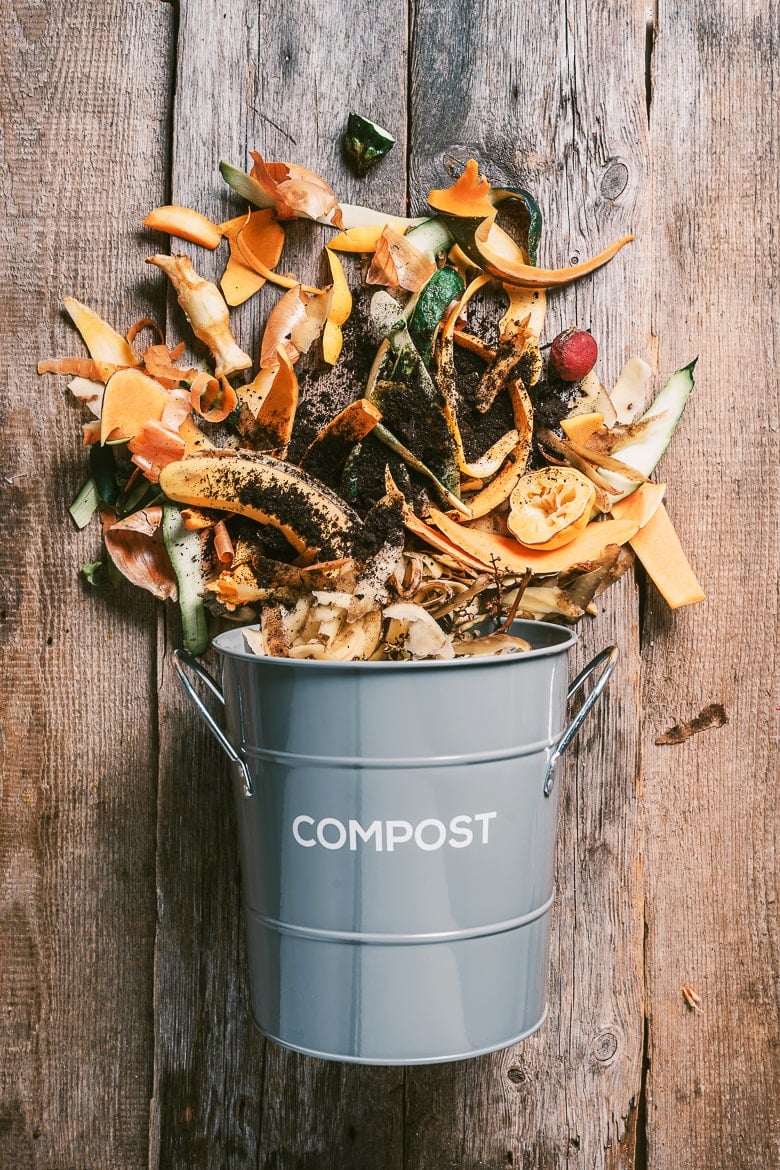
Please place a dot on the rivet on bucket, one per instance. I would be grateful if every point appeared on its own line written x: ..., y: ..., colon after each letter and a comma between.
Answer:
x: 397, y: 826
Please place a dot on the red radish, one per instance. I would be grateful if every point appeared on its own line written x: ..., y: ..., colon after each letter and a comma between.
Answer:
x: 573, y: 354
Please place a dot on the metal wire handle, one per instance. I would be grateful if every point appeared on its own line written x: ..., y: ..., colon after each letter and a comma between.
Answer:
x: 183, y: 661
x: 608, y: 656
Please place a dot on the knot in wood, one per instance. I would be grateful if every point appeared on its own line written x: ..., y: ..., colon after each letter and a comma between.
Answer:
x: 604, y: 1046
x: 614, y: 180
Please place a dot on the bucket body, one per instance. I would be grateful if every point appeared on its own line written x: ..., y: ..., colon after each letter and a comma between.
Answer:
x: 397, y: 846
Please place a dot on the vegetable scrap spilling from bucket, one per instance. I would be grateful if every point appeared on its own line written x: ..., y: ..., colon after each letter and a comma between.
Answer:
x: 433, y: 472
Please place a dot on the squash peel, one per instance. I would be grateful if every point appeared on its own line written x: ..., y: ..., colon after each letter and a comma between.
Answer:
x: 276, y: 416
x: 467, y: 433
x: 580, y: 427
x: 82, y: 368
x: 492, y: 254
x: 130, y: 400
x: 505, y: 553
x: 185, y: 223
x: 103, y: 342
x: 469, y: 208
x: 641, y: 505
x: 468, y: 196
x: 256, y: 242
x: 338, y: 313
x: 357, y: 239
x: 658, y: 547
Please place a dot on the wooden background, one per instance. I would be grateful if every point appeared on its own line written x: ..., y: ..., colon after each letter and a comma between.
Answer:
x: 125, y: 1039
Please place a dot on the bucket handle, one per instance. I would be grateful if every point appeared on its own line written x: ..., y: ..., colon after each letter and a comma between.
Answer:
x: 183, y: 661
x: 607, y: 657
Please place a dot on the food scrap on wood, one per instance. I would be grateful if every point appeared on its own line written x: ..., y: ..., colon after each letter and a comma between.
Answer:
x: 692, y: 998
x: 713, y: 715
x: 470, y: 474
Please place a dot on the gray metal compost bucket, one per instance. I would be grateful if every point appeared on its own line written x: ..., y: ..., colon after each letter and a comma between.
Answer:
x: 397, y: 826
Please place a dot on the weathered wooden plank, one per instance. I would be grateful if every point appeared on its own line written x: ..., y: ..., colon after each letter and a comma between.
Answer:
x: 83, y: 115
x: 284, y: 88
x: 552, y: 98
x: 712, y: 802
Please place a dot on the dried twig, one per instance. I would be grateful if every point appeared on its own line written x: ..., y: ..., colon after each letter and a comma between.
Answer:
x: 510, y: 617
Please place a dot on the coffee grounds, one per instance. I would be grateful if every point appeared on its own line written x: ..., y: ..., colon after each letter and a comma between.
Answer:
x: 326, y: 390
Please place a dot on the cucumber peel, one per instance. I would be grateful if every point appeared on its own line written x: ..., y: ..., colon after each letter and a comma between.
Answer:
x: 443, y: 287
x: 645, y: 452
x: 431, y: 236
x: 85, y: 504
x: 102, y: 464
x: 184, y: 550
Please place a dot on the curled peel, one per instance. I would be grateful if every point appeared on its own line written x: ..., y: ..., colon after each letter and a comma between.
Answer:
x: 502, y: 552
x: 494, y: 258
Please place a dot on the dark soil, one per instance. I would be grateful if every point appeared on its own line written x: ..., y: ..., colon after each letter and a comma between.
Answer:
x: 324, y: 390
x: 363, y: 479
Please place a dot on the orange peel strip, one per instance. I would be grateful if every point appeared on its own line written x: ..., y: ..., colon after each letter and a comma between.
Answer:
x: 80, y: 367
x: 223, y: 545
x: 184, y: 223
x: 144, y: 323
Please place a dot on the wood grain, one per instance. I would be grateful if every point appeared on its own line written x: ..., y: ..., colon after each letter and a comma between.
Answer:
x: 217, y: 1086
x: 125, y: 1032
x: 84, y: 149
x: 712, y: 803
x: 528, y: 107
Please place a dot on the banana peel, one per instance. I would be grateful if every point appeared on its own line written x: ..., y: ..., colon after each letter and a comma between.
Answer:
x: 269, y: 491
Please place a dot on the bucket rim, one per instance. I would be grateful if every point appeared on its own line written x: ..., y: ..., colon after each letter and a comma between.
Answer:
x: 562, y: 639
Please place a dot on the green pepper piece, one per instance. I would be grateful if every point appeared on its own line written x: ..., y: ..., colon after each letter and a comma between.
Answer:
x: 365, y: 143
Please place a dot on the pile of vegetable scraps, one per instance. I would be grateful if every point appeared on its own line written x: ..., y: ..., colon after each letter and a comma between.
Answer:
x: 407, y: 466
